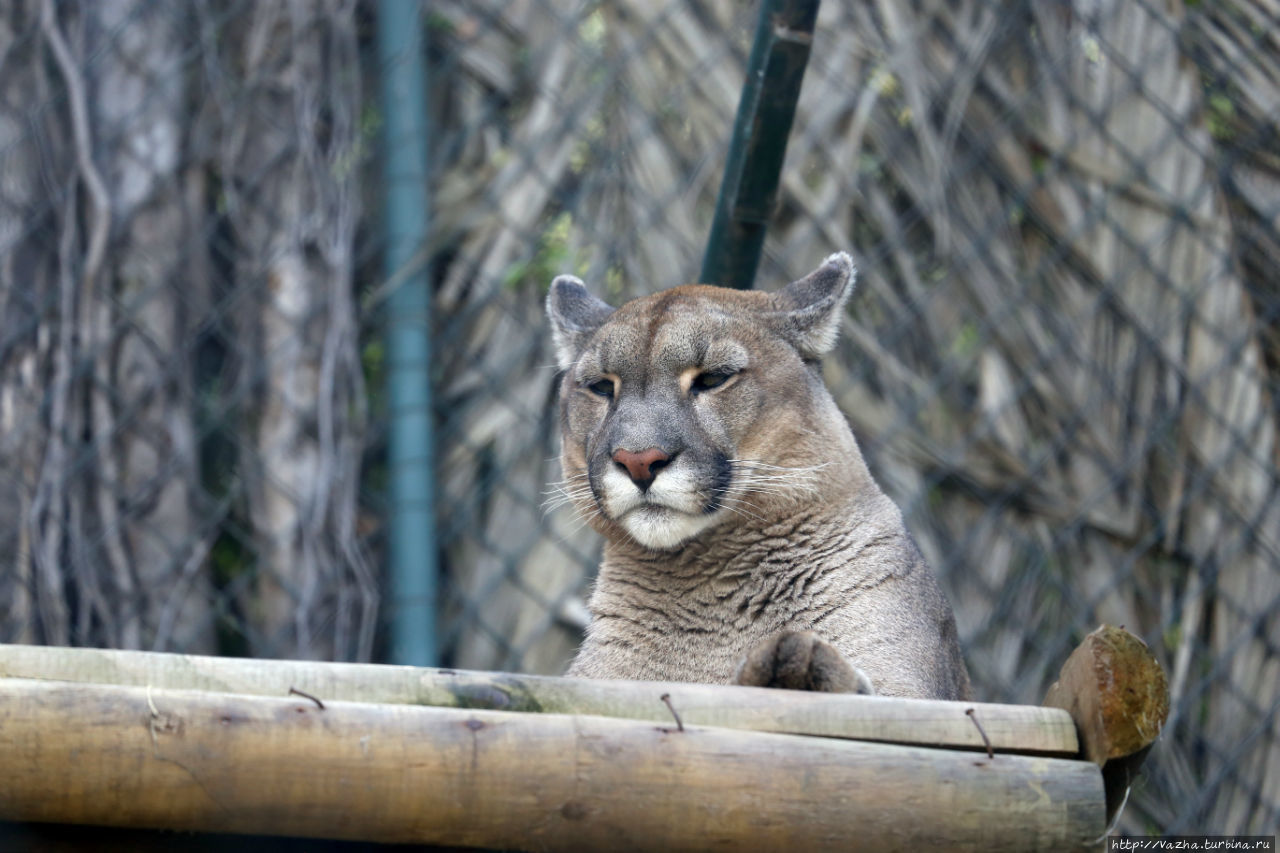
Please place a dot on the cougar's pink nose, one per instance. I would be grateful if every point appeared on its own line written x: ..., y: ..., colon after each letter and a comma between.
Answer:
x: 643, y: 466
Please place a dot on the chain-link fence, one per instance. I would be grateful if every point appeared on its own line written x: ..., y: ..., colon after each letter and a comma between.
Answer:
x: 1061, y: 360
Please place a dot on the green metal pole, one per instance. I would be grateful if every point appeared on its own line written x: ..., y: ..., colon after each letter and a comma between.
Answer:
x: 411, y: 541
x: 749, y: 192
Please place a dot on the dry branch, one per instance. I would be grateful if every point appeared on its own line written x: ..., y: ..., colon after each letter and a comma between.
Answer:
x: 133, y: 756
x: 1011, y: 728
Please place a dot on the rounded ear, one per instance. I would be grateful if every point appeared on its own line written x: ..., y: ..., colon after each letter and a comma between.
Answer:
x: 807, y: 312
x: 575, y: 315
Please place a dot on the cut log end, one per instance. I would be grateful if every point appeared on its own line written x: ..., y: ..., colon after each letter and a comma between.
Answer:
x: 1118, y: 695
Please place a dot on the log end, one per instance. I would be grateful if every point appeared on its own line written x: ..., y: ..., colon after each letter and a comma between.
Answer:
x: 1118, y: 695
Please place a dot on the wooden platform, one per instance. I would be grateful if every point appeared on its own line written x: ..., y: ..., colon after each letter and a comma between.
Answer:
x: 398, y: 754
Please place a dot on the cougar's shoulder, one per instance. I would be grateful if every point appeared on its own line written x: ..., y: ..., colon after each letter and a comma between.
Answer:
x: 698, y: 438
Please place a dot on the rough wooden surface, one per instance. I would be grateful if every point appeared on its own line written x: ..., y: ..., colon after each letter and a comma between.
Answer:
x: 1115, y: 691
x: 147, y: 757
x: 1010, y: 728
x: 1118, y: 695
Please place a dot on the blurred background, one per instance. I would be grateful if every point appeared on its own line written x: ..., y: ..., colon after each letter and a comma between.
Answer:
x: 1061, y: 360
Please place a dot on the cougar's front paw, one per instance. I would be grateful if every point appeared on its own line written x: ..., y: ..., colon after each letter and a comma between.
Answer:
x: 801, y: 660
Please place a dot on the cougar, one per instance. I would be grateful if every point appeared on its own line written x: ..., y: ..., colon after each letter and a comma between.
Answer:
x: 745, y: 540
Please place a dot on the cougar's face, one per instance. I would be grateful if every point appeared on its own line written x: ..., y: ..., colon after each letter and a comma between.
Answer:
x: 678, y: 409
x: 654, y: 412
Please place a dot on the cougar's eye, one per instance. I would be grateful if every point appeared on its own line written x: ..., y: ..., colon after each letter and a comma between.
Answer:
x: 602, y: 388
x: 710, y: 379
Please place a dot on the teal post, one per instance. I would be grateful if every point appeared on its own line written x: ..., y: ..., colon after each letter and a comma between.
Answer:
x: 412, y: 594
x: 753, y: 166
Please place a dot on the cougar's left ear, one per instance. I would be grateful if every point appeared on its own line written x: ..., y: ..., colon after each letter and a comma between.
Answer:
x: 575, y: 315
x: 807, y: 312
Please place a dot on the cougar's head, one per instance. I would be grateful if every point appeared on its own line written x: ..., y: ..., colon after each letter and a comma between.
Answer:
x: 696, y: 405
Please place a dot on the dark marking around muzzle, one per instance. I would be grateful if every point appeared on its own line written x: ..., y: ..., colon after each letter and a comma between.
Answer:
x: 720, y: 485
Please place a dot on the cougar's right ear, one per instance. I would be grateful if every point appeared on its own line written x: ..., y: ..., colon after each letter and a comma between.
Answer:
x: 575, y: 314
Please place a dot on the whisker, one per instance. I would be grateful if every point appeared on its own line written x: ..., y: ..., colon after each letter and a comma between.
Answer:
x: 568, y: 489
x: 565, y: 492
x: 584, y: 520
x: 743, y: 513
x: 735, y: 506
x: 769, y: 480
x: 755, y: 463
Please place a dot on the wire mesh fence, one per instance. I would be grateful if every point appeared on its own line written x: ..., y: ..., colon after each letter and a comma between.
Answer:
x: 1061, y: 360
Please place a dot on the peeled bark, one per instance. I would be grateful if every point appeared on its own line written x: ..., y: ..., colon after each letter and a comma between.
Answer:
x: 190, y: 760
x: 1026, y: 729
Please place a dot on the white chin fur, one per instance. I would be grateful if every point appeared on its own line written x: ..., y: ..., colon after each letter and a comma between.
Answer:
x: 663, y: 529
x: 668, y: 517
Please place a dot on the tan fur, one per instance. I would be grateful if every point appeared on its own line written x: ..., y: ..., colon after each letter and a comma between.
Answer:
x: 763, y: 545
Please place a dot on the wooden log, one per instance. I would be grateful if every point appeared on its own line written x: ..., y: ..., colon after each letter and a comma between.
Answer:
x: 1118, y: 695
x: 191, y: 760
x: 1022, y: 729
